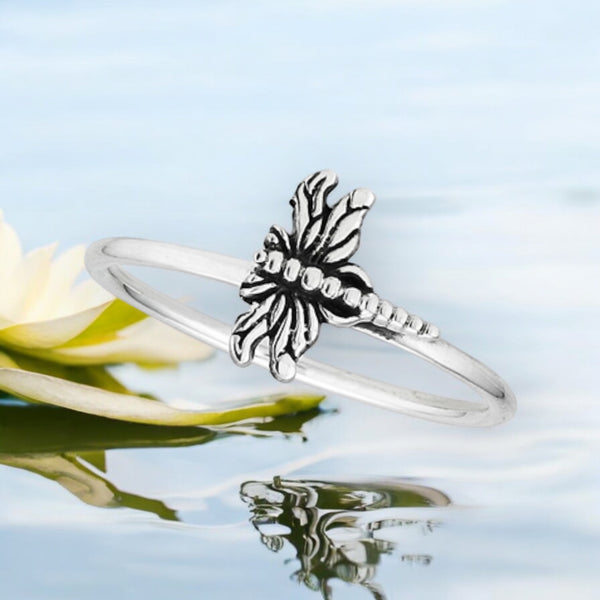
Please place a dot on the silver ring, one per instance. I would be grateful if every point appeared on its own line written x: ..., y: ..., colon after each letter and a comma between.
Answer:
x: 296, y: 283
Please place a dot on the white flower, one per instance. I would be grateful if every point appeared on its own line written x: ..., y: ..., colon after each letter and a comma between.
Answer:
x: 45, y: 312
x: 53, y: 328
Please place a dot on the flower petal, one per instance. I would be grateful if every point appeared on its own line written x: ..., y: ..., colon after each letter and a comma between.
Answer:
x: 91, y: 400
x: 45, y: 334
x: 116, y: 316
x: 26, y: 282
x: 95, y: 375
x: 148, y: 343
x: 87, y: 293
x: 11, y: 255
x: 57, y: 298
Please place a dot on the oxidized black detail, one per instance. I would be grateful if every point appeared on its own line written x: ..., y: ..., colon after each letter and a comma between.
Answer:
x: 303, y: 279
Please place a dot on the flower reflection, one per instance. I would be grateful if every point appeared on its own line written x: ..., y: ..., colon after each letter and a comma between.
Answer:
x: 337, y: 528
x: 69, y: 448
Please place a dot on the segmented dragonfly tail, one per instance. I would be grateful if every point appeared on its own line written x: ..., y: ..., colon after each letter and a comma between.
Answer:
x: 395, y: 318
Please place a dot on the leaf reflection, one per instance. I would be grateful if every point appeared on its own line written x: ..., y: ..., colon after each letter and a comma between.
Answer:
x: 69, y: 447
x: 336, y: 526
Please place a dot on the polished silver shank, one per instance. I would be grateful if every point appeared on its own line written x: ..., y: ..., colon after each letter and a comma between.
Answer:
x: 105, y: 260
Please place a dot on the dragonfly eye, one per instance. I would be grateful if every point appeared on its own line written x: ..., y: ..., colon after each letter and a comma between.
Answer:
x: 271, y: 241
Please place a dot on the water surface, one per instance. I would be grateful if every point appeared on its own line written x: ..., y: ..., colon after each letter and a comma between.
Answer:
x: 477, y: 125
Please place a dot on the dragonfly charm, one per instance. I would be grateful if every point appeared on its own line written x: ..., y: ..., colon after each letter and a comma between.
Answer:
x: 302, y: 279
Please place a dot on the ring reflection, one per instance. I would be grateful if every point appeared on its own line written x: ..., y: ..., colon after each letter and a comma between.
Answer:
x: 338, y: 528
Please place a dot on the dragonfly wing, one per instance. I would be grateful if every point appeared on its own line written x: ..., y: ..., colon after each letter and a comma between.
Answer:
x: 310, y: 209
x: 341, y: 232
x: 295, y: 332
x: 306, y: 327
x: 249, y: 330
x: 353, y: 275
x: 255, y: 288
x: 281, y: 363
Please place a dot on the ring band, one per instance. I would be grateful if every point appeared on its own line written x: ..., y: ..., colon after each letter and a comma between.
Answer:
x: 291, y: 292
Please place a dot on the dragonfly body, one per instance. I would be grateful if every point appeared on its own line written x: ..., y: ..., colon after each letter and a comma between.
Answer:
x: 303, y: 279
x: 317, y: 284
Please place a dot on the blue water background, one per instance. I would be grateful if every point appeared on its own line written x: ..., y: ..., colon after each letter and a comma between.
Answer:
x: 478, y: 126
